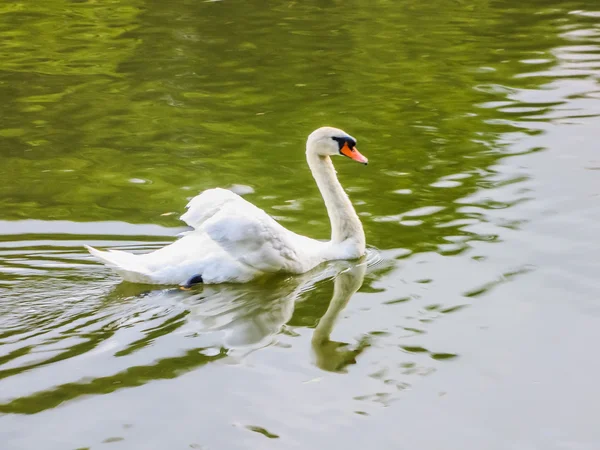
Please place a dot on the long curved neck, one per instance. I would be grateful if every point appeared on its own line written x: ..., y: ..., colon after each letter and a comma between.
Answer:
x: 345, y: 223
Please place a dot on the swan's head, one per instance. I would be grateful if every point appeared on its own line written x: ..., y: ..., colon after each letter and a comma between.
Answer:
x: 328, y: 141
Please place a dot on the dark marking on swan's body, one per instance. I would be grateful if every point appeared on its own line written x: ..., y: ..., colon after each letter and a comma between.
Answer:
x: 196, y: 279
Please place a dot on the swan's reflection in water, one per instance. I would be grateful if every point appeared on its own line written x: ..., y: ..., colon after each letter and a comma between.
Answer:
x: 331, y: 355
x: 133, y: 335
x: 252, y: 316
x: 244, y: 318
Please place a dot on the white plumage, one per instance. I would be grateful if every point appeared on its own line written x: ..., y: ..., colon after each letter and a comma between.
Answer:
x: 234, y: 241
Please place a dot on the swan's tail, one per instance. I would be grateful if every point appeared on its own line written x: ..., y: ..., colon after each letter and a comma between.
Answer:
x: 125, y: 264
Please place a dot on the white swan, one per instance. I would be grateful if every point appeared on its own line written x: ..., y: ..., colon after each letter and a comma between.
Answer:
x: 233, y: 241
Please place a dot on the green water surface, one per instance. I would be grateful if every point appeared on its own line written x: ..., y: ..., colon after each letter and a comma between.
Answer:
x: 477, y: 314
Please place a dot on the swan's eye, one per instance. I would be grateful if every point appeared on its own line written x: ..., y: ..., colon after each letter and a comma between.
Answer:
x: 339, y: 140
x: 344, y: 141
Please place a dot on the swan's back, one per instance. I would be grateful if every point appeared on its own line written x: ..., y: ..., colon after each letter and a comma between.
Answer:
x: 232, y: 241
x: 208, y: 203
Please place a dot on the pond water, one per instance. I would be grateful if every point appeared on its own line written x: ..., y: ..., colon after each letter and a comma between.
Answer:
x: 471, y: 324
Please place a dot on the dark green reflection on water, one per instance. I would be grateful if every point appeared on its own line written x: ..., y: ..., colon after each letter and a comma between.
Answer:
x: 132, y: 108
x: 133, y: 376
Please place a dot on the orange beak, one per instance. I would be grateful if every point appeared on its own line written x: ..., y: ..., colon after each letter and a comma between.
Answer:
x: 354, y: 154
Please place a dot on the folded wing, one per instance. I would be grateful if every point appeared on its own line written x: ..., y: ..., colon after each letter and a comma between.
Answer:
x: 245, y: 232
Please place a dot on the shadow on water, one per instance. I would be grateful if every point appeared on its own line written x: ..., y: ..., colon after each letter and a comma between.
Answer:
x: 231, y: 321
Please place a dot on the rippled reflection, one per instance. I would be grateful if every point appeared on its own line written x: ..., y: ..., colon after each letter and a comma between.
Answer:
x: 140, y: 326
